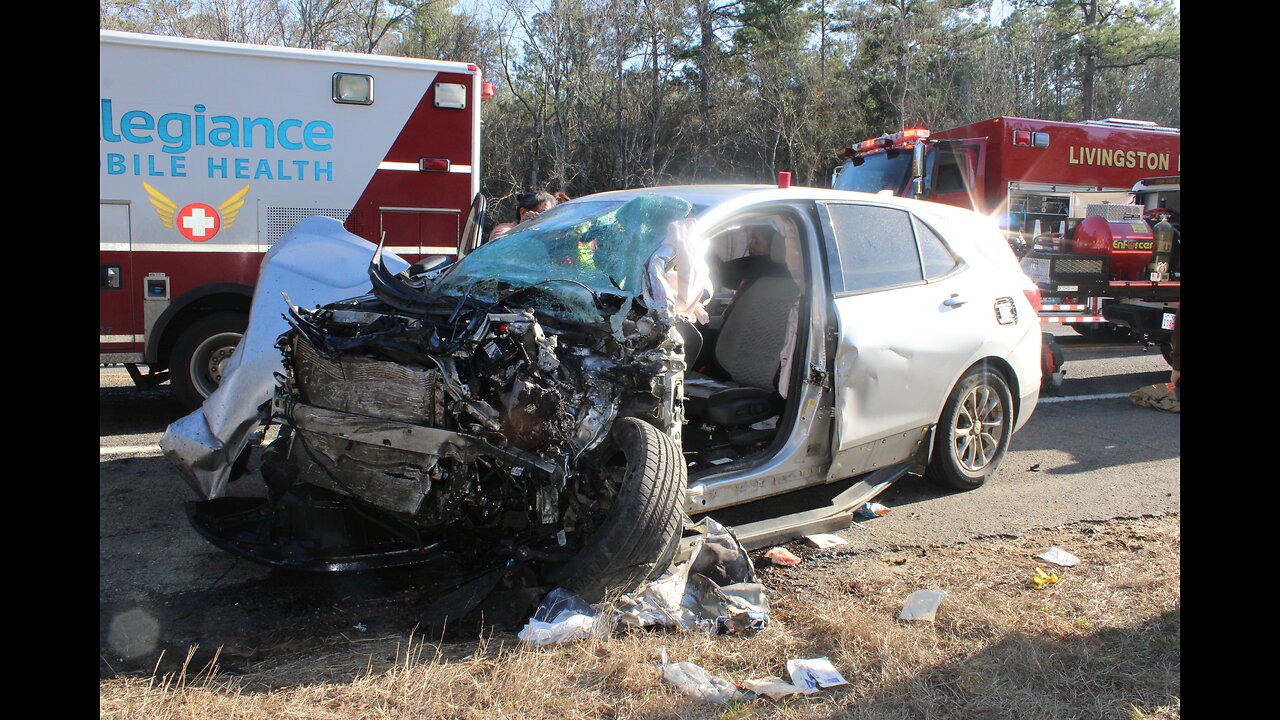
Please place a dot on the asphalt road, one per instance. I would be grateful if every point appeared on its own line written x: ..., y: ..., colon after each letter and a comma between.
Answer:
x: 1089, y: 455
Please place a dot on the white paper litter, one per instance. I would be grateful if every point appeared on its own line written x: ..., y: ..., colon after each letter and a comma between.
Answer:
x: 1059, y: 556
x: 826, y: 540
x: 813, y: 674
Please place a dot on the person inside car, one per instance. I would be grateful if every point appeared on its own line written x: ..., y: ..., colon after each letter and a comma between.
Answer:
x: 528, y: 206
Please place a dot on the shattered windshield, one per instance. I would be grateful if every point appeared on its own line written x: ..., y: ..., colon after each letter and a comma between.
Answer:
x: 569, y: 257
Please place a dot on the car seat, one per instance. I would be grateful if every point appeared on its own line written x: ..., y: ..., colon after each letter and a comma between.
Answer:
x: 749, y: 348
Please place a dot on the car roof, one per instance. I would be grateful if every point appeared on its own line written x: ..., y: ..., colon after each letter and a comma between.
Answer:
x: 711, y: 195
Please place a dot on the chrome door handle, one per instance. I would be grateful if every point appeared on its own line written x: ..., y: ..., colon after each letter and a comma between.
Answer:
x: 954, y: 301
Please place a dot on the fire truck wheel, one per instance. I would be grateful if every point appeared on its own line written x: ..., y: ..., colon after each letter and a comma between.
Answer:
x: 200, y: 355
x: 973, y: 432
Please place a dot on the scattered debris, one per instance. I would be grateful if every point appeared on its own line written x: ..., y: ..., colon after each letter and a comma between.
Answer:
x: 1041, y: 579
x: 825, y: 540
x: 772, y: 687
x: 713, y: 589
x: 922, y: 605
x: 808, y: 676
x: 872, y: 510
x: 782, y: 556
x: 568, y: 625
x: 1058, y: 556
x: 693, y: 680
x: 1160, y: 396
x: 814, y: 674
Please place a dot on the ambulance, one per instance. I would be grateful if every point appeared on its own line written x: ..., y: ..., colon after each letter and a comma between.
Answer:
x: 212, y: 151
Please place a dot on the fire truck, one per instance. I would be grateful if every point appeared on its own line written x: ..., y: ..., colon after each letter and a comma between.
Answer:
x: 212, y: 151
x: 1042, y: 180
x: 1147, y: 307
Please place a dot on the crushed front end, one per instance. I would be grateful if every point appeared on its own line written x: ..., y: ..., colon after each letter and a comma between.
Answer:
x: 474, y: 418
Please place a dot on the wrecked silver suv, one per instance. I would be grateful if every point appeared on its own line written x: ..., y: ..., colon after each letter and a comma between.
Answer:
x: 567, y: 395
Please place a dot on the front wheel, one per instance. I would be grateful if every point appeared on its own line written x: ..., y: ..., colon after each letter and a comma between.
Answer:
x: 637, y: 539
x: 973, y: 432
x: 200, y: 356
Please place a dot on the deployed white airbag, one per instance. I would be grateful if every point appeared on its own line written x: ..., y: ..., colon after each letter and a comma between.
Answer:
x: 317, y: 262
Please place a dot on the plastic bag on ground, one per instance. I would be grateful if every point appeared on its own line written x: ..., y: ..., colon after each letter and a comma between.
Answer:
x: 559, y: 600
x: 566, y: 627
x: 693, y: 680
x: 1058, y: 556
x: 922, y: 605
x: 563, y: 616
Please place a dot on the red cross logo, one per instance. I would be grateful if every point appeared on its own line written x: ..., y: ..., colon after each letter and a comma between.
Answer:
x: 198, y: 222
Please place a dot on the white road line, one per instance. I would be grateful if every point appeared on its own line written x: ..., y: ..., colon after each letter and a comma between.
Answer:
x: 1074, y: 398
x: 129, y: 450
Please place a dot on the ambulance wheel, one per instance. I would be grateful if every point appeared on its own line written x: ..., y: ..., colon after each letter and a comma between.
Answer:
x: 973, y: 432
x: 200, y: 356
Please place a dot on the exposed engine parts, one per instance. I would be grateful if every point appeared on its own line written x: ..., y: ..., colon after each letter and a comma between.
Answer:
x: 458, y: 413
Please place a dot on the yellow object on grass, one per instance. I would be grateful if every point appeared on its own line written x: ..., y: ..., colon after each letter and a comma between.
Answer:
x: 1041, y: 579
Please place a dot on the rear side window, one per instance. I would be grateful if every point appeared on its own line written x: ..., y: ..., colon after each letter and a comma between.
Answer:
x: 876, y: 248
x: 938, y: 259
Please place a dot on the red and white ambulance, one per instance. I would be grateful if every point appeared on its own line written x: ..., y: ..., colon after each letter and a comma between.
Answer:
x: 212, y: 151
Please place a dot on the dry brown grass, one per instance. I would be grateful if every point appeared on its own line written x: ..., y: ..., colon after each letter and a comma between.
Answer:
x: 1104, y: 643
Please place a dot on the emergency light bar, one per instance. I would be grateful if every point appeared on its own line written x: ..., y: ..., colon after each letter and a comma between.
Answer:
x: 899, y: 139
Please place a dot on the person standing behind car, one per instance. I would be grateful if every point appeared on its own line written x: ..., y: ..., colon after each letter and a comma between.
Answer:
x: 528, y: 206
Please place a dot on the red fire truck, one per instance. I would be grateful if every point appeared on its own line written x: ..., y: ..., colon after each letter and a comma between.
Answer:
x: 1039, y: 178
x: 212, y: 151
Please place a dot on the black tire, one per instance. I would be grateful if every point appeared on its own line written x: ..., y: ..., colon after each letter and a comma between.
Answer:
x: 638, y: 538
x: 966, y: 454
x: 200, y: 353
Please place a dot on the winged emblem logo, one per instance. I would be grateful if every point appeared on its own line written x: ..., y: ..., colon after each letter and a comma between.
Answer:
x: 197, y: 222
